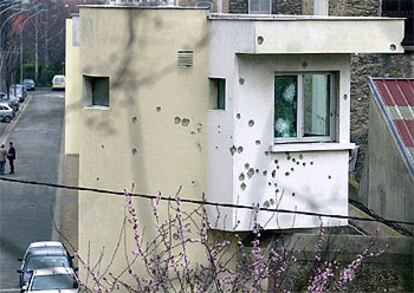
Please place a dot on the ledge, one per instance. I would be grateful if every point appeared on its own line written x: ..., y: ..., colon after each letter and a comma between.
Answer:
x: 105, y: 108
x: 310, y: 147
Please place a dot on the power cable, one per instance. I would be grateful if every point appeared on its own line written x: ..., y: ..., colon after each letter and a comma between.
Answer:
x: 203, y: 202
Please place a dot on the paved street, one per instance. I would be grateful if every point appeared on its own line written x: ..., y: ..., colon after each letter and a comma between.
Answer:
x: 26, y: 210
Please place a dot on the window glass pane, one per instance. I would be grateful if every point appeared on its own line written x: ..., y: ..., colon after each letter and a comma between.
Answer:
x: 100, y: 91
x: 221, y: 94
x: 254, y: 6
x: 264, y: 6
x: 316, y: 104
x: 286, y: 88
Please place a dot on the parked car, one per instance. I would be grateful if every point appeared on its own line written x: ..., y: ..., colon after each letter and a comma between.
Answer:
x: 6, y: 113
x: 19, y: 91
x: 40, y: 255
x: 11, y: 101
x: 52, y: 280
x: 29, y: 84
x: 58, y: 82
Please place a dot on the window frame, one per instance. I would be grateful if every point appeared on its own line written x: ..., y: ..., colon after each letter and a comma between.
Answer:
x: 215, y: 93
x: 300, y: 114
x: 259, y: 12
x: 88, y: 82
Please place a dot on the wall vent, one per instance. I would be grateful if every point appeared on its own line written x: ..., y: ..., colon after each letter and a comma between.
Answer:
x: 185, y: 58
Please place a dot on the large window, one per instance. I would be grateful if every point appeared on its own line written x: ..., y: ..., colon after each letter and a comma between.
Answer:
x: 305, y: 107
x: 401, y: 8
x: 260, y: 6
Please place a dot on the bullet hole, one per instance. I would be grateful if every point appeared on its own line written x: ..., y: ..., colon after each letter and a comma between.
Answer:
x: 219, y: 132
x: 293, y: 194
x: 278, y: 167
x: 301, y: 156
x: 257, y: 142
x: 287, y: 174
x: 238, y: 116
x: 251, y: 123
x: 264, y: 173
x: 293, y: 160
x: 102, y: 146
x: 275, y: 184
x: 288, y: 158
x: 260, y: 40
x: 199, y: 129
x: 393, y: 47
x: 233, y: 150
x: 199, y: 124
x: 175, y: 236
x: 242, y: 177
x: 193, y: 182
x: 277, y: 190
x: 291, y: 169
x: 193, y: 133
x: 257, y: 170
x: 266, y: 204
x: 97, y: 178
x: 345, y: 97
x: 274, y: 173
x: 134, y: 119
x: 269, y: 183
x: 240, y: 149
x: 266, y: 153
x: 304, y: 164
x: 177, y: 120
x: 185, y: 122
x: 250, y: 173
x: 329, y: 177
x: 216, y: 147
x: 297, y: 163
x: 276, y: 162
x: 134, y: 151
x: 247, y: 166
x: 158, y: 109
x: 311, y: 162
x: 243, y: 187
x: 304, y: 64
x: 272, y: 201
x: 218, y: 126
x: 231, y: 137
x: 241, y: 81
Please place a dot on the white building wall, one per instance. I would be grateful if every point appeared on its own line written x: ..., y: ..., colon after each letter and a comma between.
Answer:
x: 318, y: 182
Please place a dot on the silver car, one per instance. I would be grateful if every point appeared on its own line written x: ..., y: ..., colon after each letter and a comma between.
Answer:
x: 53, y: 280
x: 6, y: 113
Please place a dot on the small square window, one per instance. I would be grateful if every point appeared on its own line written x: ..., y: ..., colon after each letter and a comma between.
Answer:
x: 96, y: 91
x: 305, y: 107
x: 217, y: 93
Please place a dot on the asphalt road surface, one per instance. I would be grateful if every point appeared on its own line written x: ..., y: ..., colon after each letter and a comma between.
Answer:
x: 25, y: 210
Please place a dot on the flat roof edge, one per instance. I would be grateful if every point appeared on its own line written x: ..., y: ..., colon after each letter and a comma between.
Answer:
x: 106, y: 6
x: 228, y: 16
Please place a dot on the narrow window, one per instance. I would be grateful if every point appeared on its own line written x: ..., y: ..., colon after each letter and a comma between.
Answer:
x: 217, y: 93
x: 286, y: 106
x: 96, y: 91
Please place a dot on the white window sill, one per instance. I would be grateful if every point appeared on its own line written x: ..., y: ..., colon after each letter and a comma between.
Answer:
x: 96, y: 107
x: 310, y: 147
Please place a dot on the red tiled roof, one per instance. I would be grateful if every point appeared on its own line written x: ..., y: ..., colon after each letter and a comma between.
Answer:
x: 395, y: 98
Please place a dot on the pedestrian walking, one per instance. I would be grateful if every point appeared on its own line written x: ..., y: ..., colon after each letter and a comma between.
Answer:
x: 11, y: 156
x: 3, y: 155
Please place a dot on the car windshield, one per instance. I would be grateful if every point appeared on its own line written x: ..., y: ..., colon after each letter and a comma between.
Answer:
x: 53, y: 282
x: 18, y: 91
x: 41, y: 262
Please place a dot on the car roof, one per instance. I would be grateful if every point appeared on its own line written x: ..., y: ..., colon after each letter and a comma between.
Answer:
x: 49, y: 251
x: 53, y: 271
x: 45, y: 244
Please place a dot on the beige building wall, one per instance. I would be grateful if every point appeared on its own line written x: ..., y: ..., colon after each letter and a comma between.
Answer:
x: 72, y: 93
x: 153, y: 132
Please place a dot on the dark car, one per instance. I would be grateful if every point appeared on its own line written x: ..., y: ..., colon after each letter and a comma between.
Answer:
x: 19, y: 91
x: 29, y: 84
x: 41, y: 255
